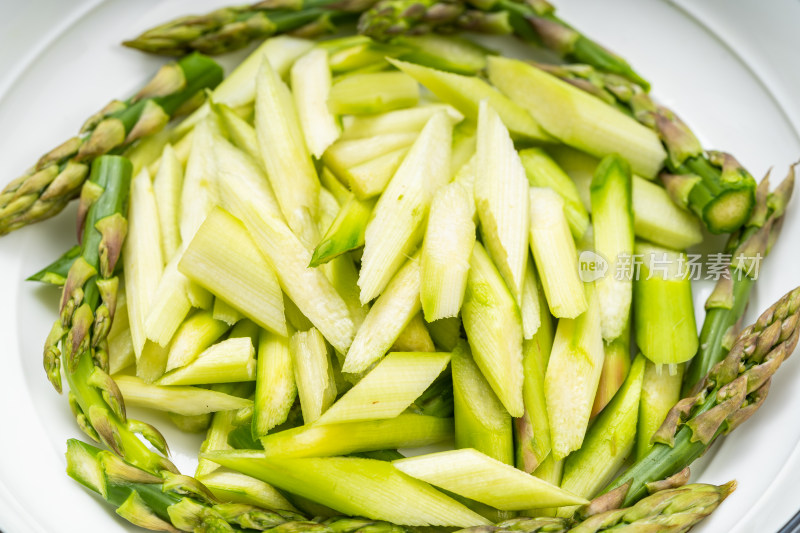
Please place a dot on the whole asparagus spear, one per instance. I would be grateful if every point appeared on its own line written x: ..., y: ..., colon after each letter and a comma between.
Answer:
x: 727, y: 303
x: 711, y: 184
x: 728, y: 395
x: 57, y: 177
x: 232, y: 28
x: 87, y: 310
x: 180, y: 503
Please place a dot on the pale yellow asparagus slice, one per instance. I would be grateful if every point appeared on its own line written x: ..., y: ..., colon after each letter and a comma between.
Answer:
x: 182, y: 400
x: 312, y: 373
x: 167, y: 186
x: 275, y: 385
x: 311, y: 85
x: 229, y: 361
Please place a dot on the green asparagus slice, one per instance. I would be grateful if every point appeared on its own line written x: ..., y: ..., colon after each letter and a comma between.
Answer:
x: 481, y: 420
x: 86, y: 314
x: 372, y: 93
x: 276, y: 388
x: 728, y: 395
x: 58, y: 175
x: 727, y: 303
x: 354, y: 486
x: 56, y: 272
x: 477, y: 476
x: 661, y: 389
x: 186, y: 401
x: 403, y: 431
x: 346, y: 233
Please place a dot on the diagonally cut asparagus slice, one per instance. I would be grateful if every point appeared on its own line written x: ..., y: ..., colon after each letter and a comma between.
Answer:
x: 577, y: 118
x: 529, y: 308
x: 481, y: 420
x: 284, y: 154
x: 195, y: 335
x: 494, y: 329
x: 276, y: 389
x: 229, y: 361
x: 313, y: 373
x: 311, y: 85
x: 415, y: 337
x: 237, y: 488
x: 354, y: 486
x: 187, y: 401
x: 555, y: 254
x: 142, y: 258
x: 465, y: 94
x: 387, y: 318
x: 573, y: 372
x: 389, y: 388
x: 403, y: 431
x: 477, y: 476
x: 446, y: 251
x: 501, y: 198
x: 398, y: 221
x: 410, y: 120
x: 375, y: 92
x: 308, y: 288
x: 167, y: 186
x: 223, y: 258
x: 346, y: 232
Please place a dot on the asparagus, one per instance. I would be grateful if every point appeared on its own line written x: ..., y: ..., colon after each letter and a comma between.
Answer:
x: 676, y: 509
x: 232, y: 28
x: 56, y: 272
x: 728, y: 395
x: 711, y: 184
x: 727, y: 303
x: 79, y: 336
x: 57, y: 177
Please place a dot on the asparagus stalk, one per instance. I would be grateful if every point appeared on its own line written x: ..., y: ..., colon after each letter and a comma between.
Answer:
x: 675, y: 509
x: 234, y: 487
x: 727, y: 303
x: 232, y: 28
x: 56, y: 272
x: 410, y: 120
x: 120, y: 341
x: 728, y: 395
x: 415, y: 337
x: 311, y: 85
x: 313, y: 374
x: 276, y: 388
x: 186, y: 401
x: 437, y: 400
x: 86, y: 314
x: 167, y: 186
x: 711, y: 184
x: 194, y: 336
x: 616, y: 365
x: 229, y: 361
x: 58, y: 176
x: 346, y: 233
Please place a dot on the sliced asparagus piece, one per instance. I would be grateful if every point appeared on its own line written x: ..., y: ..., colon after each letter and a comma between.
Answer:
x: 371, y: 93
x: 542, y: 171
x: 447, y: 247
x: 387, y: 318
x: 311, y: 86
x: 576, y: 118
x: 223, y: 258
x: 237, y: 488
x: 661, y: 389
x: 500, y: 196
x: 616, y: 365
x: 346, y: 233
x: 186, y: 401
x: 313, y: 374
x: 410, y: 120
x: 465, y: 94
x: 666, y: 331
x: 608, y: 443
x: 229, y: 361
x: 276, y: 388
x: 389, y: 388
x: 167, y: 186
x: 555, y: 254
x: 398, y: 221
x: 194, y: 336
x: 481, y: 420
x: 494, y: 329
x: 405, y: 430
x: 56, y: 272
x: 612, y: 219
x: 573, y: 372
x: 354, y: 486
x: 472, y: 474
x: 414, y: 337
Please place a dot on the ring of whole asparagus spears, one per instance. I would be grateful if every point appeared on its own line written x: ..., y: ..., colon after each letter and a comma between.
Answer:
x: 145, y: 486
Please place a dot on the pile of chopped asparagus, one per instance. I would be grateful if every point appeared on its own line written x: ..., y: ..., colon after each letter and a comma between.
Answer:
x: 352, y: 251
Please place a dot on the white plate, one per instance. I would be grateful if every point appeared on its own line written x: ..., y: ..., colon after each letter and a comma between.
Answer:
x: 728, y: 66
